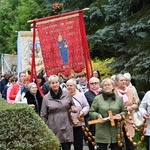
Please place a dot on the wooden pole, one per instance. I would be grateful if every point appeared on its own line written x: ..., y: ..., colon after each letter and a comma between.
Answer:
x: 31, y: 21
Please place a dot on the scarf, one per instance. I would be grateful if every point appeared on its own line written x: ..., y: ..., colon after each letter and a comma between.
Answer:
x: 96, y: 91
x: 56, y: 96
x: 122, y: 94
x: 107, y: 95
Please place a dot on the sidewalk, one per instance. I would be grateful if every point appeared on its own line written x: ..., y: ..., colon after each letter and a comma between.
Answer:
x: 85, y: 147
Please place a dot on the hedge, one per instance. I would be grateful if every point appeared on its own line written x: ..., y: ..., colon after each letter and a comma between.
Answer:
x: 22, y: 129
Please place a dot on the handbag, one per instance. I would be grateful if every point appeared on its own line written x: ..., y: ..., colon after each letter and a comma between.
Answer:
x: 137, y: 118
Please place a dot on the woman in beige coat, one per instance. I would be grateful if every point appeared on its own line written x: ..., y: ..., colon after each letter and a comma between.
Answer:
x: 55, y: 106
x: 130, y: 103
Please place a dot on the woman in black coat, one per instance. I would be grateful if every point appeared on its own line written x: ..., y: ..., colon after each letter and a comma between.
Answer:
x: 33, y: 97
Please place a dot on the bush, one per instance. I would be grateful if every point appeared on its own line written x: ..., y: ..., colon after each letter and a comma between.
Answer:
x: 22, y: 129
x: 102, y: 67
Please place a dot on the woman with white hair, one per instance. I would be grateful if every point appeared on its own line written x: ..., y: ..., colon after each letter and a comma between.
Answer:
x: 82, y: 109
x: 33, y: 97
x: 129, y: 84
x: 130, y: 102
x: 55, y: 107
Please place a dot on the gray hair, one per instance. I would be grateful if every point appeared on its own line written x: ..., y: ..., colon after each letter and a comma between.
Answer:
x: 109, y: 81
x: 95, y: 79
x: 118, y: 76
x: 73, y: 81
x: 30, y: 85
x: 127, y: 76
x: 53, y: 78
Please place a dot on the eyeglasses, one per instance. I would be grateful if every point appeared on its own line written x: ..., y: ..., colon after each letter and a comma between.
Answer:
x: 93, y: 83
x: 14, y: 80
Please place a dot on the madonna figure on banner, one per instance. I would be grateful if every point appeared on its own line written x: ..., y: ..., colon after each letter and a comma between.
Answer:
x: 63, y: 48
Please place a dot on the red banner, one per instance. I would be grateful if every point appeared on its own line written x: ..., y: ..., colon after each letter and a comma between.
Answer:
x: 63, y: 43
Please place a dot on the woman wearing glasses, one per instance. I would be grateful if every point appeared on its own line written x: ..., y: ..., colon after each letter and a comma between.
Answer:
x: 94, y: 84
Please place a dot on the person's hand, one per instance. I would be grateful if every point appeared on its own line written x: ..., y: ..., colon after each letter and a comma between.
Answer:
x: 81, y: 113
x: 105, y: 119
x: 118, y: 116
x: 73, y: 110
x: 146, y: 116
x: 32, y: 105
x: 129, y: 108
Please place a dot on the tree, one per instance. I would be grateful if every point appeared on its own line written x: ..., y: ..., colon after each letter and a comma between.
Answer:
x: 125, y: 35
x: 115, y: 28
x: 14, y: 15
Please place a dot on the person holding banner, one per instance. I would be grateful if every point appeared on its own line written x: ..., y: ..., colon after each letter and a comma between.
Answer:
x: 105, y: 133
x: 55, y: 107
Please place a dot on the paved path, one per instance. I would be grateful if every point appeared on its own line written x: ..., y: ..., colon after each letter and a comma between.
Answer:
x: 85, y: 147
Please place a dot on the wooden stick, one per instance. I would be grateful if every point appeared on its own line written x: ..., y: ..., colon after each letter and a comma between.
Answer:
x: 94, y: 121
x: 31, y: 21
x: 112, y: 118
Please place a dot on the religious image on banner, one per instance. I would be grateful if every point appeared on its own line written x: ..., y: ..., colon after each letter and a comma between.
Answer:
x: 63, y: 49
x: 37, y: 48
x: 63, y: 44
x: 9, y: 63
x: 25, y: 45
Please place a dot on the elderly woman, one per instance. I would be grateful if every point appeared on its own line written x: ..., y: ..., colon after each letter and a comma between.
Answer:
x: 105, y: 133
x: 33, y: 97
x: 131, y: 105
x: 94, y: 90
x: 55, y: 106
x: 82, y: 109
x: 144, y: 109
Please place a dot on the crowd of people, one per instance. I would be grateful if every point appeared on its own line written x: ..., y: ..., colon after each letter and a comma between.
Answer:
x: 68, y: 105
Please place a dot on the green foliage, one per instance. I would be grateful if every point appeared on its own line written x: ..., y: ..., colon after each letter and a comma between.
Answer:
x: 102, y: 67
x: 127, y: 40
x: 21, y: 128
x: 14, y: 15
x: 2, y: 101
x: 115, y: 28
x: 137, y: 138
